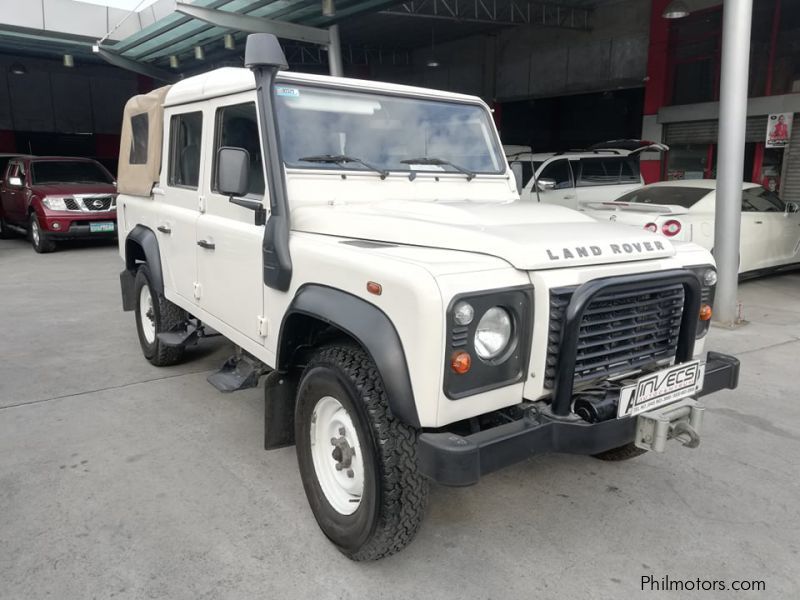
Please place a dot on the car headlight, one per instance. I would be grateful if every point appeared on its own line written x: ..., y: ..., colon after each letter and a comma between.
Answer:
x: 493, y: 333
x: 710, y: 277
x: 488, y: 340
x: 55, y: 203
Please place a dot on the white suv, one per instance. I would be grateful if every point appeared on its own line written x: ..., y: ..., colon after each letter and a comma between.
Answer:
x: 602, y: 173
x: 363, y: 245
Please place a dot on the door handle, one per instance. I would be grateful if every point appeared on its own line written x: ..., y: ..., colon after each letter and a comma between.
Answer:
x: 206, y: 244
x: 164, y: 229
x: 759, y: 222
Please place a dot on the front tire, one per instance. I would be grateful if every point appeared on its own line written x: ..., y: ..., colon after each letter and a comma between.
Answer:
x: 358, y: 462
x: 155, y: 314
x: 40, y: 241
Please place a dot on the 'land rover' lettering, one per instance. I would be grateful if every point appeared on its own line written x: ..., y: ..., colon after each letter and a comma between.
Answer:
x: 586, y: 251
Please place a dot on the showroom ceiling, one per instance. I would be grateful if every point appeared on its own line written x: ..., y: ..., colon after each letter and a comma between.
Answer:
x: 169, y: 42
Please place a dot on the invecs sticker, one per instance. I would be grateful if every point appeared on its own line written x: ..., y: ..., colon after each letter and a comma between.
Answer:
x: 287, y: 91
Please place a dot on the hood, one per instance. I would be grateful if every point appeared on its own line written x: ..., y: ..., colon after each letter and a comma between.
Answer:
x: 528, y: 236
x: 66, y: 189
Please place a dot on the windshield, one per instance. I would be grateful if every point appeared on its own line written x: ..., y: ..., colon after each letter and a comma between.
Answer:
x: 68, y: 171
x: 678, y: 196
x: 389, y: 133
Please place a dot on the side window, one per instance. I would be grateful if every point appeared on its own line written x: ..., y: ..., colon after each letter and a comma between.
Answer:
x: 527, y: 172
x: 140, y: 125
x: 629, y: 171
x: 21, y: 171
x: 185, y: 134
x: 237, y: 127
x: 560, y: 172
x: 759, y: 201
x: 607, y: 171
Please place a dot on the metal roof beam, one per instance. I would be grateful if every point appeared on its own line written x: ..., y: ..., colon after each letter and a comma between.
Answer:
x: 131, y: 65
x: 497, y: 12
x: 246, y: 23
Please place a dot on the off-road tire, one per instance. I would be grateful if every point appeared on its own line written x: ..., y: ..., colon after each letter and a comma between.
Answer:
x: 625, y: 452
x: 167, y: 317
x: 395, y: 493
x: 40, y: 241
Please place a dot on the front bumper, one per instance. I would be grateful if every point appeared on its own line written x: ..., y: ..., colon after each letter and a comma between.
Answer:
x: 451, y: 459
x: 78, y: 225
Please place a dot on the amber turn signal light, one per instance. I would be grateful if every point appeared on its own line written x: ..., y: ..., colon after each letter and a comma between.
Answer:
x: 705, y: 312
x: 374, y: 288
x: 461, y: 362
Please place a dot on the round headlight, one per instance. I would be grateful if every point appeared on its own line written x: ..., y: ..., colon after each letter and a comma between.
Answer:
x: 710, y: 277
x: 493, y: 333
x: 463, y: 313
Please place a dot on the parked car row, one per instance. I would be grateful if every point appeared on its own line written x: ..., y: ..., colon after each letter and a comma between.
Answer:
x: 50, y: 199
x: 605, y: 182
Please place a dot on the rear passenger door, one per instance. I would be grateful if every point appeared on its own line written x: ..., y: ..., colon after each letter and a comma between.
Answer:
x: 606, y: 177
x: 765, y: 240
x: 229, y: 254
x: 180, y: 198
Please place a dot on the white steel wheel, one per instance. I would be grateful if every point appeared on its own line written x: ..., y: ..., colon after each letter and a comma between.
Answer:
x: 336, y: 455
x: 147, y: 315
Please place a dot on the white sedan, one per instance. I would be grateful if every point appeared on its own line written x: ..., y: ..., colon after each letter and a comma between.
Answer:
x: 684, y: 211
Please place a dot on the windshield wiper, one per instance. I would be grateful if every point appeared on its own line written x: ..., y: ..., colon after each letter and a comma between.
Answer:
x: 341, y: 159
x: 429, y: 160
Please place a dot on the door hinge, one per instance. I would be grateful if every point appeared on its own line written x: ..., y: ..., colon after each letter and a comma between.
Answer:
x: 198, y: 290
x: 263, y: 326
x: 201, y: 204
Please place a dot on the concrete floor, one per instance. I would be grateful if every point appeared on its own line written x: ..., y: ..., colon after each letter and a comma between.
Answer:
x: 118, y: 479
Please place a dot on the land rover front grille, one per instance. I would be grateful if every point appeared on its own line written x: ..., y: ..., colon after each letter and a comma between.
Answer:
x: 619, y: 331
x: 97, y: 203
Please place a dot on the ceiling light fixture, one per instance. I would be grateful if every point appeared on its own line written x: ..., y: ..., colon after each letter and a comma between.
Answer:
x: 677, y: 9
x: 18, y: 69
x: 199, y: 53
x: 69, y: 61
x: 328, y: 8
x: 173, y: 62
x: 432, y: 62
x: 229, y: 42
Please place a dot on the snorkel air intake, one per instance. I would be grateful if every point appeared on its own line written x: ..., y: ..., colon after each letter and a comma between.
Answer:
x: 264, y: 56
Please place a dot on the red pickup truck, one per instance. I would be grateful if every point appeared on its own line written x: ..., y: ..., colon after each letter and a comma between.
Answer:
x: 56, y: 198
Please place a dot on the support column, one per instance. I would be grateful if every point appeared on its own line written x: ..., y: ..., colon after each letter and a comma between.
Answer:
x: 736, y: 23
x: 335, y: 52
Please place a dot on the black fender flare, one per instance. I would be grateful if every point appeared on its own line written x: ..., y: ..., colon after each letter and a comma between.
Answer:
x: 146, y: 239
x: 370, y: 327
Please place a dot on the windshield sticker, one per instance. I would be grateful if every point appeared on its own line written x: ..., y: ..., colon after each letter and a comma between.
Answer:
x: 424, y: 167
x: 287, y: 91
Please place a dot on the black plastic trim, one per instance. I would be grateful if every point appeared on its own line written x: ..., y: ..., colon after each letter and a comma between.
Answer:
x: 451, y: 459
x: 370, y: 327
x: 146, y: 239
x: 565, y: 376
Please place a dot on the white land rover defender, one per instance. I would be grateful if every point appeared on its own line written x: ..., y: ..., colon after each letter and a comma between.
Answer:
x: 363, y: 246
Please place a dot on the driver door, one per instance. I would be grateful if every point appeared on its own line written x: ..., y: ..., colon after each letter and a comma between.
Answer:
x: 15, y: 196
x: 229, y: 244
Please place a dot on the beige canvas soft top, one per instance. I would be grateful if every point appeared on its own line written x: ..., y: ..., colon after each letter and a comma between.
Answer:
x: 140, y: 144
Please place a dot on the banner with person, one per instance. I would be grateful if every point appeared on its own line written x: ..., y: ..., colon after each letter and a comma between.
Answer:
x: 779, y: 130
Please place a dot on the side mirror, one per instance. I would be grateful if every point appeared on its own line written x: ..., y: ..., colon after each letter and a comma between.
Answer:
x: 15, y: 181
x: 516, y: 168
x: 233, y: 170
x: 233, y: 174
x: 544, y: 185
x: 792, y: 207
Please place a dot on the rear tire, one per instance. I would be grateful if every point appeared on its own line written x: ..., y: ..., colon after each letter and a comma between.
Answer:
x: 155, y: 314
x: 40, y: 241
x: 626, y: 452
x: 372, y: 505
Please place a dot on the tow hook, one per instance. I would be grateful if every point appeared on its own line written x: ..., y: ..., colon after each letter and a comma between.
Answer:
x: 681, y: 421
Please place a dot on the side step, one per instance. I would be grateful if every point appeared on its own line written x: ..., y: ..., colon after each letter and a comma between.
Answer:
x: 240, y: 372
x: 193, y: 332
